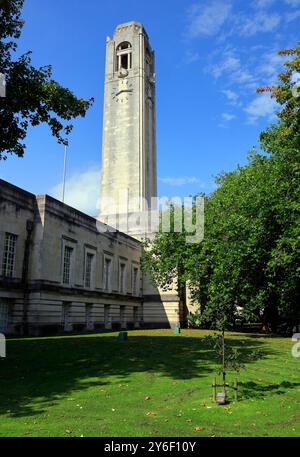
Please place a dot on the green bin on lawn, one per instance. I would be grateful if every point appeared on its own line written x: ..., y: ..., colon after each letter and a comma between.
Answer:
x: 123, y: 336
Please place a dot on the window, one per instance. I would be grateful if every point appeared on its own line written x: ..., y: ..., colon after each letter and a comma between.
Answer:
x: 88, y: 316
x: 141, y: 312
x: 124, y: 45
x: 122, y: 277
x: 135, y: 281
x: 107, y: 273
x: 107, y: 317
x: 9, y: 255
x: 66, y: 315
x: 124, y: 56
x: 135, y: 316
x: 88, y: 269
x: 123, y: 322
x: 68, y: 251
x: 3, y: 317
x: 124, y: 61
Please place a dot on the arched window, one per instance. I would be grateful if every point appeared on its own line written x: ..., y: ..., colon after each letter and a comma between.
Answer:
x: 124, y: 56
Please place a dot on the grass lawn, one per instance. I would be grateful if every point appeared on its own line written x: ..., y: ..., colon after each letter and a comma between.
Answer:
x: 154, y: 384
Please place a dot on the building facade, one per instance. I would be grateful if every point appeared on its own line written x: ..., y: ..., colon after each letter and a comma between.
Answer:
x: 58, y: 271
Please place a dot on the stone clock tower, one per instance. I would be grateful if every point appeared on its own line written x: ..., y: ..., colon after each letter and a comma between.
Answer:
x: 129, y: 130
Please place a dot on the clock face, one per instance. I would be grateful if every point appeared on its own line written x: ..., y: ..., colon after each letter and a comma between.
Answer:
x: 122, y: 92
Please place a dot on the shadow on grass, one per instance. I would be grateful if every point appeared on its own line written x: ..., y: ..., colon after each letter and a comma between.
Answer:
x: 254, y: 390
x: 40, y: 372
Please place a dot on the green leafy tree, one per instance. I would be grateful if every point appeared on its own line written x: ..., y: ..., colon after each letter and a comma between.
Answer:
x: 248, y: 263
x: 164, y: 259
x: 282, y: 142
x: 32, y: 96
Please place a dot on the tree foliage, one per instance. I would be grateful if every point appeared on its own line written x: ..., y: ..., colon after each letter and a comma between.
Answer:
x: 32, y: 96
x: 248, y: 264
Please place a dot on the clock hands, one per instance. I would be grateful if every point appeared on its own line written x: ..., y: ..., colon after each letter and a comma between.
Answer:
x: 123, y: 90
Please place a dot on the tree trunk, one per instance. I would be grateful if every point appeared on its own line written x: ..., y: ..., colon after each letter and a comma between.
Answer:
x: 223, y: 362
x: 270, y: 316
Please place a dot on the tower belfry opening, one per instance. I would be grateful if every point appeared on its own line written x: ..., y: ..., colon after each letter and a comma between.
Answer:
x: 124, y: 56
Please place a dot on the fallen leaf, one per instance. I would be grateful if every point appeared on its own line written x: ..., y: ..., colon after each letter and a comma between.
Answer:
x: 150, y: 413
x: 147, y: 398
x: 198, y: 429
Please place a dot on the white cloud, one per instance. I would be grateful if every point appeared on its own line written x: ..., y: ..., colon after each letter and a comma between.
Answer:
x: 271, y: 65
x: 82, y: 190
x: 207, y: 19
x: 227, y: 117
x: 292, y: 3
x: 241, y: 59
x: 292, y: 16
x: 231, y: 95
x: 191, y: 57
x: 262, y: 106
x: 295, y: 77
x: 181, y: 181
x: 261, y: 22
x: 232, y: 67
x: 242, y: 73
x: 263, y: 3
x: 229, y: 64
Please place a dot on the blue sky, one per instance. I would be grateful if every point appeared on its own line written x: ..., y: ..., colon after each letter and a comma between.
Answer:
x: 210, y: 58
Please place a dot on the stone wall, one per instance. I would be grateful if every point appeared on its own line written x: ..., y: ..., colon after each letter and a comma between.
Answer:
x: 35, y: 300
